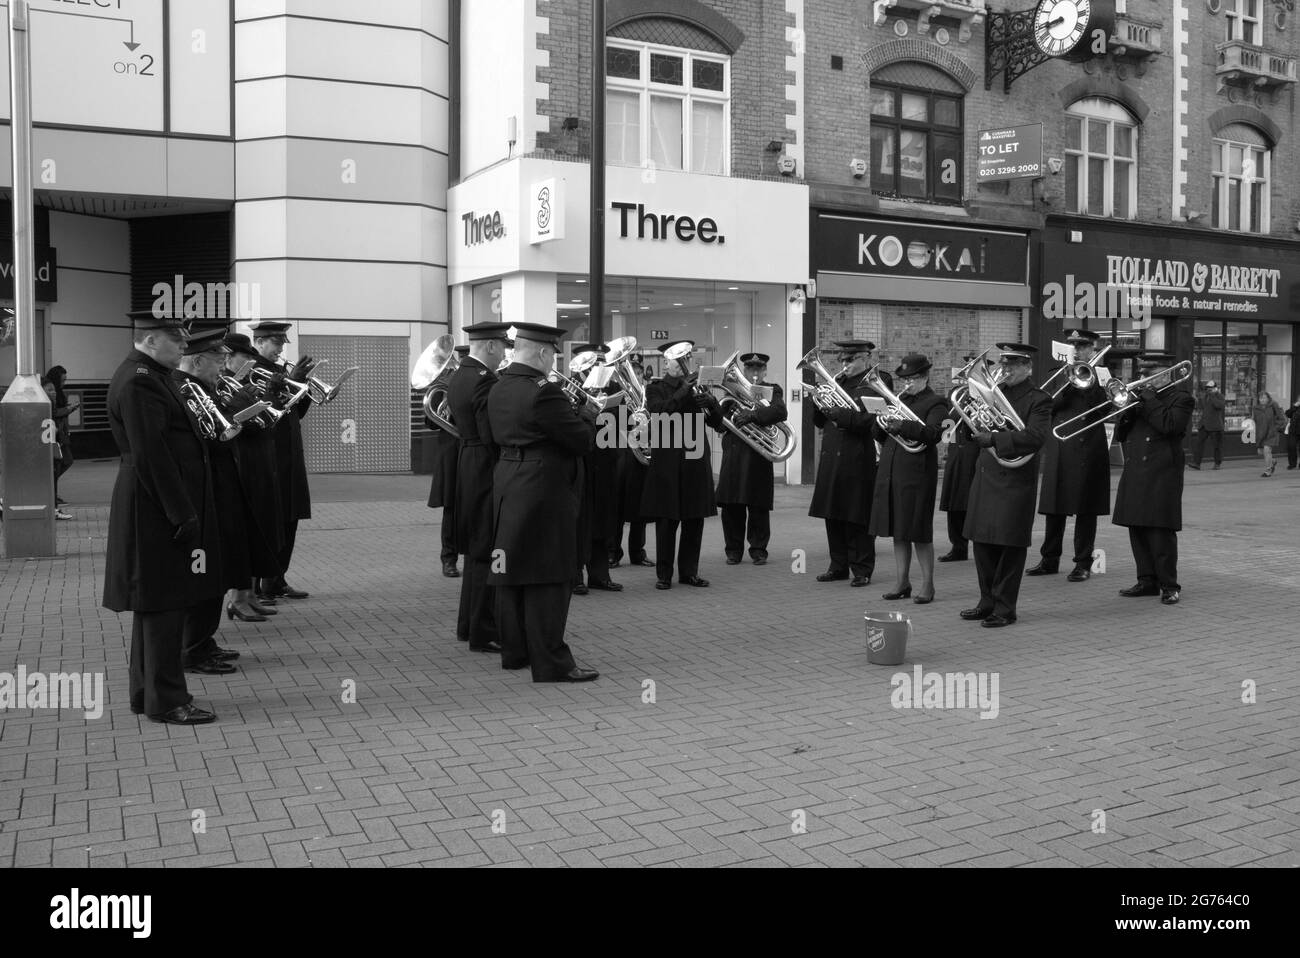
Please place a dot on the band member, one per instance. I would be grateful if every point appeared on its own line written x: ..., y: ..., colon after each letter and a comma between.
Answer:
x: 269, y: 339
x: 1000, y: 514
x: 536, y: 489
x: 467, y: 397
x: 1076, y: 473
x: 745, y: 483
x: 1149, y: 499
x: 260, y: 478
x: 678, y: 486
x: 442, y: 487
x: 629, y: 481
x: 906, y: 481
x: 846, y: 472
x: 164, y: 550
x: 958, y: 471
x: 597, y: 516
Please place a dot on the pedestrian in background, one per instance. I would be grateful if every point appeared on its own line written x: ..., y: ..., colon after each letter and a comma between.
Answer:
x: 1268, y: 430
x: 1211, y: 409
x: 1292, y: 431
x: 63, y: 458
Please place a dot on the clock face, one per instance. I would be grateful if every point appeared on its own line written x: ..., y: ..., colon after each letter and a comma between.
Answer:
x: 1059, y: 25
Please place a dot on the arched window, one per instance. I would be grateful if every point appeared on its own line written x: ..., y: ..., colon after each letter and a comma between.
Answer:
x: 916, y: 133
x: 1101, y: 143
x: 1241, y: 161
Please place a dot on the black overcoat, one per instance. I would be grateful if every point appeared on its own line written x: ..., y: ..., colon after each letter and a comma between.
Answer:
x: 1076, y: 472
x: 600, y: 499
x: 1150, y: 489
x: 959, y: 469
x: 467, y: 397
x: 846, y: 471
x: 290, y: 459
x: 630, y: 481
x: 259, y: 474
x: 446, y: 460
x: 1001, y: 507
x: 678, y: 487
x: 903, y: 505
x: 537, y: 483
x: 164, y: 480
x: 746, y: 478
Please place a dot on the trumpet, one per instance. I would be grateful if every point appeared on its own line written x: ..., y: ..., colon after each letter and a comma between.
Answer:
x: 320, y: 392
x: 1078, y: 375
x: 828, y: 393
x: 574, y: 389
x: 774, y: 443
x: 1119, y: 398
x: 212, y: 424
x: 983, y: 408
x: 898, y: 412
x: 275, y: 386
x: 229, y: 391
x: 432, y: 373
x: 619, y: 360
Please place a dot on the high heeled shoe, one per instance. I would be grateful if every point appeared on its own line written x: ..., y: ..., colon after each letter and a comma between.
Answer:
x: 258, y: 607
x: 234, y: 611
x: 901, y: 594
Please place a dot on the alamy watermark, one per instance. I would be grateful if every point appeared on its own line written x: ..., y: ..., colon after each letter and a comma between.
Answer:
x: 656, y: 430
x: 1082, y: 301
x: 946, y: 690
x: 214, y: 301
x: 62, y: 690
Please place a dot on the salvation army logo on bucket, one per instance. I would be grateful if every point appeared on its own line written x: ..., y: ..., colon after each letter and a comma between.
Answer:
x: 875, y: 639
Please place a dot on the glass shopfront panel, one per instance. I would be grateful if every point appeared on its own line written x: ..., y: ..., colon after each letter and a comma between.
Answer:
x: 1245, y: 359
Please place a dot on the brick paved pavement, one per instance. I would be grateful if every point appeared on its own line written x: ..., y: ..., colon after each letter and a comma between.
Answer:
x: 765, y: 705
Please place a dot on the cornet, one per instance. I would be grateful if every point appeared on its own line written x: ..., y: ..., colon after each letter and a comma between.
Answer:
x: 828, y: 393
x: 212, y: 424
x: 897, y: 412
x: 775, y: 443
x: 320, y: 392
x: 432, y: 373
x: 228, y: 390
x: 275, y: 386
x: 1119, y: 397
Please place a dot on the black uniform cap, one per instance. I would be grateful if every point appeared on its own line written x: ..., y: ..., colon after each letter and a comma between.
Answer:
x: 755, y: 359
x: 854, y: 345
x: 267, y: 328
x: 535, y: 333
x: 481, y: 332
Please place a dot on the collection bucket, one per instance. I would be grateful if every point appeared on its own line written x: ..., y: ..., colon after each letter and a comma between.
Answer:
x: 887, y: 635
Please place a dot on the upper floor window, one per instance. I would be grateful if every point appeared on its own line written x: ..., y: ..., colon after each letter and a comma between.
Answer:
x: 667, y: 107
x: 1101, y: 141
x: 1242, y: 19
x: 916, y: 142
x: 1241, y: 162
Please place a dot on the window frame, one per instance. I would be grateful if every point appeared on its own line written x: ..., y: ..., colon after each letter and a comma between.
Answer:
x: 1236, y: 19
x: 930, y: 128
x: 1219, y: 216
x: 647, y: 90
x: 1078, y: 204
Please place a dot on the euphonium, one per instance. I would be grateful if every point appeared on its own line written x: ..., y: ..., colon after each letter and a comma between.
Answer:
x: 212, y: 424
x: 982, y: 406
x: 432, y: 373
x: 681, y: 353
x: 828, y: 393
x: 619, y: 359
x: 774, y: 443
x: 898, y: 411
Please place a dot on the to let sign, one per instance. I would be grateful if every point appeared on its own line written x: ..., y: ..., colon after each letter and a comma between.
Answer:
x: 1010, y: 153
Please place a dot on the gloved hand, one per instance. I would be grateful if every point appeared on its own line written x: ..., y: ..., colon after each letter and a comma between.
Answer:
x: 743, y: 417
x: 984, y: 440
x: 187, y: 531
x: 303, y: 368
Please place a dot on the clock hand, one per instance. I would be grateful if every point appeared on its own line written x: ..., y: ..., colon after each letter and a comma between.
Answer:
x: 1055, y: 22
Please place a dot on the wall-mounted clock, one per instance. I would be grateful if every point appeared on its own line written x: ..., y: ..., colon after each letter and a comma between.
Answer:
x: 1065, y: 29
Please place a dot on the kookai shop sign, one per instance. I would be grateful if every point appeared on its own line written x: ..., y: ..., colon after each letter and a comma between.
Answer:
x: 846, y: 244
x: 47, y: 273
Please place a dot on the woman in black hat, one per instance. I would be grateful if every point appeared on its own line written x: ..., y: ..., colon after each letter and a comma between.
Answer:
x: 906, y: 481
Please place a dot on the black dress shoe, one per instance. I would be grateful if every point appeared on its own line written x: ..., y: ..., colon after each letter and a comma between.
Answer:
x: 237, y: 610
x: 225, y: 655
x: 664, y: 584
x: 1080, y: 574
x: 211, y: 666
x: 579, y: 675
x: 580, y: 589
x: 733, y: 560
x: 997, y: 621
x: 860, y: 580
x: 760, y: 560
x: 695, y: 581
x: 643, y: 561
x: 489, y: 647
x: 923, y: 599
x: 606, y: 586
x: 1139, y: 590
x: 450, y: 571
x: 833, y: 576
x: 1042, y: 569
x: 615, y: 563
x: 289, y: 592
x: 185, y: 715
x: 900, y: 594
x: 514, y: 666
x: 1192, y: 465
x: 953, y: 556
x: 1169, y: 596
x: 972, y: 615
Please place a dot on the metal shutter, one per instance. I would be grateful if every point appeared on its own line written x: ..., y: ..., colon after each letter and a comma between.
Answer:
x: 374, y: 407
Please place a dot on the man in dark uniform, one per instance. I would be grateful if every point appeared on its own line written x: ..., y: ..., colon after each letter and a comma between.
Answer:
x: 269, y: 339
x: 1076, y: 473
x: 846, y: 471
x: 597, y: 515
x: 1150, y: 496
x: 467, y: 397
x: 629, y: 480
x: 164, y: 551
x: 442, y: 488
x: 1000, y: 515
x: 536, y: 490
x: 745, y: 483
x: 678, y: 487
x: 958, y: 471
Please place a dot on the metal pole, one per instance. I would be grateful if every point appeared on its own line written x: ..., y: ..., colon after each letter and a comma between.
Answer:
x: 596, y: 276
x: 26, y: 429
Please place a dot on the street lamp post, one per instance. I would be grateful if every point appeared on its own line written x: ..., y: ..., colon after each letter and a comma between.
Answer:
x: 596, y: 277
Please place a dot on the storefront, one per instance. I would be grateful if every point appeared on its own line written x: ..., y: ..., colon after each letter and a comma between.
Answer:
x: 944, y: 290
x: 714, y: 259
x: 1228, y: 303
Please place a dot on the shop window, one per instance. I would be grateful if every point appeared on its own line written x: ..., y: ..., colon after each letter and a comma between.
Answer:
x: 916, y: 143
x: 667, y: 108
x: 1245, y: 359
x: 1101, y: 141
x: 1241, y: 18
x: 1242, y: 164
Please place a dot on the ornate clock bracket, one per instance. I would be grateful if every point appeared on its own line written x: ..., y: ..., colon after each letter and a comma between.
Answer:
x: 1009, y: 46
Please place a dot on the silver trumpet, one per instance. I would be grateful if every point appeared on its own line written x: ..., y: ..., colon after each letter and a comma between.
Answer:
x: 574, y: 389
x: 619, y: 359
x: 227, y: 391
x: 432, y: 373
x: 775, y: 443
x: 1119, y: 397
x: 828, y: 393
x: 897, y: 412
x: 276, y: 387
x: 212, y: 424
x: 1078, y: 375
x: 983, y: 408
x: 319, y: 391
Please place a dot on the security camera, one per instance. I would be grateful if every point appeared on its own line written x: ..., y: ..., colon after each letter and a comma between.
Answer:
x: 797, y: 300
x: 1054, y: 164
x: 859, y: 167
x: 786, y: 165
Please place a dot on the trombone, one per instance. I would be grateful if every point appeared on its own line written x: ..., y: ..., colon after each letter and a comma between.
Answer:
x: 898, y: 411
x: 432, y: 374
x: 828, y: 393
x: 1119, y: 398
x: 1078, y: 375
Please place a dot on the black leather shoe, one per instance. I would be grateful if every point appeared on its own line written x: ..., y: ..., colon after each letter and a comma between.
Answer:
x: 695, y: 581
x: 833, y: 576
x: 900, y: 594
x: 211, y: 666
x: 648, y: 563
x: 615, y: 563
x: 760, y: 560
x: 225, y: 655
x: 664, y: 584
x: 606, y: 586
x: 489, y: 647
x: 1192, y: 465
x: 185, y: 715
x: 263, y: 606
x: 975, y: 614
x: 450, y: 571
x: 289, y: 592
x: 237, y: 610
x: 1169, y: 596
x: 1139, y: 590
x: 579, y: 675
x: 733, y: 560
x: 954, y: 556
x: 1042, y: 569
x: 860, y: 580
x: 997, y: 621
x: 514, y: 666
x: 1080, y: 574
x: 580, y: 589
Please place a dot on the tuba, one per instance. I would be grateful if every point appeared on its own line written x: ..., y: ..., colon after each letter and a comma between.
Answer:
x: 1119, y: 397
x: 212, y: 424
x: 898, y: 411
x: 828, y: 393
x: 774, y: 443
x: 980, y: 404
x: 619, y: 358
x: 432, y: 373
